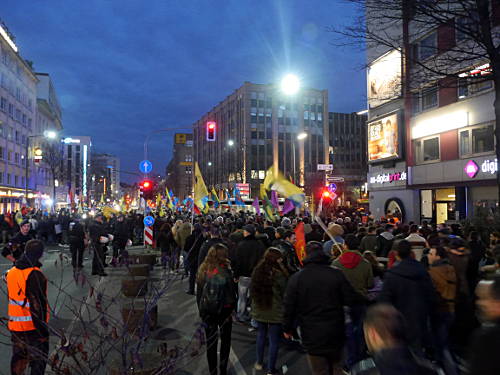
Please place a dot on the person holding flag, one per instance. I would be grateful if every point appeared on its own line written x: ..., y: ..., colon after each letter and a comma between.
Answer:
x: 215, y: 198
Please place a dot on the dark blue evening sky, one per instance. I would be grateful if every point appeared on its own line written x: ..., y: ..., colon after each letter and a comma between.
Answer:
x: 124, y: 67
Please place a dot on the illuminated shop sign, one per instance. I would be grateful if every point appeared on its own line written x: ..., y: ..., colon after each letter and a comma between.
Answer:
x: 471, y: 169
x: 388, y: 178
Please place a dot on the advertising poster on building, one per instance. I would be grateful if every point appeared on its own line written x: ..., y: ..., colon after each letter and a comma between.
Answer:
x: 384, y: 79
x: 383, y: 138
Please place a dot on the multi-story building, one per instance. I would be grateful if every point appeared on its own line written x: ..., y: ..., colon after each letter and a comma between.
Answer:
x: 431, y: 142
x: 105, y: 176
x: 347, y: 133
x: 257, y: 128
x: 48, y: 118
x: 75, y: 172
x: 180, y: 169
x: 17, y: 117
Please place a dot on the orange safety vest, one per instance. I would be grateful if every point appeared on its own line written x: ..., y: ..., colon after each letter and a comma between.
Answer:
x: 20, y: 319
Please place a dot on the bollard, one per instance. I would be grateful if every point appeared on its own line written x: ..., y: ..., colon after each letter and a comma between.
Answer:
x: 139, y: 270
x: 135, y: 286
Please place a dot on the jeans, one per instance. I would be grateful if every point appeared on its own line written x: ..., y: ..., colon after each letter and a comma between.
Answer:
x: 28, y: 349
x: 243, y: 295
x: 214, y: 326
x: 273, y: 332
x: 441, y: 324
x: 355, y: 337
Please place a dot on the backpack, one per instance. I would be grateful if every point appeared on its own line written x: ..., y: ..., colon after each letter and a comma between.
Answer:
x: 213, y: 295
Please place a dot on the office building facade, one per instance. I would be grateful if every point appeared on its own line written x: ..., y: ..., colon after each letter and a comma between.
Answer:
x: 348, y: 154
x: 18, y: 93
x: 180, y: 169
x: 257, y: 128
x: 105, y: 170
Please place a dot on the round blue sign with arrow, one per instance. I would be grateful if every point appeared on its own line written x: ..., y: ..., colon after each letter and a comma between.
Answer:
x: 149, y: 220
x: 145, y: 166
x: 332, y: 188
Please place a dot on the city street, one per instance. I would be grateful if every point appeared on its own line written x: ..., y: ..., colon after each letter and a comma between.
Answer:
x: 178, y: 320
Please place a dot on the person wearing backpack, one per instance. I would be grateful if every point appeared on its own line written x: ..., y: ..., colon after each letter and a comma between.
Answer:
x: 216, y: 297
x: 267, y: 290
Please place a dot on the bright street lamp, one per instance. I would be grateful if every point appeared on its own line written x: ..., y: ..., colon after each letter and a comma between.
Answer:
x: 301, y: 136
x: 290, y: 84
x: 230, y: 143
x: 209, y: 163
x: 50, y: 134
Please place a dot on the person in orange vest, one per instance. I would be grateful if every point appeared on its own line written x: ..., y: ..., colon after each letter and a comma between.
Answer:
x: 28, y: 311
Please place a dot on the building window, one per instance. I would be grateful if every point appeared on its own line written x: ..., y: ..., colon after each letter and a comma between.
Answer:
x: 23, y: 181
x: 9, y: 156
x: 426, y: 47
x: 470, y: 86
x: 16, y: 180
x: 429, y: 98
x: 3, y: 104
x: 427, y: 150
x: 477, y: 140
x: 16, y: 158
x: 8, y: 178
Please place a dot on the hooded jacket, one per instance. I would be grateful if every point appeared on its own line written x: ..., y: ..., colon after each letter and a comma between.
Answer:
x: 408, y: 287
x: 182, y: 234
x: 385, y: 241
x: 36, y: 292
x: 356, y: 269
x: 315, y: 298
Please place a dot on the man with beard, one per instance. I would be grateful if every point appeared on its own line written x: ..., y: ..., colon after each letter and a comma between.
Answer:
x: 15, y: 247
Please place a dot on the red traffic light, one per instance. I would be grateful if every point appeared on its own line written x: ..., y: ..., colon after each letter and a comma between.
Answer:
x: 146, y: 185
x: 211, y: 130
x: 326, y: 194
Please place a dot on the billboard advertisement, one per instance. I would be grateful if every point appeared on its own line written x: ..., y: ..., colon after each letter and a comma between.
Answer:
x: 383, y: 138
x: 384, y: 79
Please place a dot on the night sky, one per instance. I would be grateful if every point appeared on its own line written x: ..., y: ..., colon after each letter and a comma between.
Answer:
x: 124, y: 67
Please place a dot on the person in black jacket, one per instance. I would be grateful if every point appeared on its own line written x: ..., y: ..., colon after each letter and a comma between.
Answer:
x: 290, y: 259
x: 99, y: 238
x: 315, y: 298
x: 121, y: 236
x: 215, y: 237
x: 483, y: 350
x: 248, y: 253
x: 408, y: 287
x: 76, y: 243
x: 192, y: 247
x: 15, y: 247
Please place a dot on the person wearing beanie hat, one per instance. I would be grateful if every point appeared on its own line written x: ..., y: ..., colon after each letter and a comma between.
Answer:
x: 15, y: 247
x: 286, y: 222
x: 336, y: 231
x: 28, y: 311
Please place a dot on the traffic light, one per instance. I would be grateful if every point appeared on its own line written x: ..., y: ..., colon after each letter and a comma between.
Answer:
x: 211, y: 131
x: 147, y: 189
x: 326, y: 194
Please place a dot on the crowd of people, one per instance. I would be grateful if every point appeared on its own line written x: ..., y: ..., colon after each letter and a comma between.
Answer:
x: 367, y: 297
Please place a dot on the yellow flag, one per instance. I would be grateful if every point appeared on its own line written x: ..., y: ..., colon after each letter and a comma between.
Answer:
x: 284, y: 187
x: 158, y: 200
x: 200, y: 189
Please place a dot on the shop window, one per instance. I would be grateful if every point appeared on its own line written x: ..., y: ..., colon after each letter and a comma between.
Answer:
x: 427, y: 150
x: 477, y: 140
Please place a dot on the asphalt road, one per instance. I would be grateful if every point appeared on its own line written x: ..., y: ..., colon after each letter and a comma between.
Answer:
x: 74, y: 314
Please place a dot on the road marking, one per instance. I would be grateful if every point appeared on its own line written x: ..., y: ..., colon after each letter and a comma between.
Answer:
x: 235, y: 361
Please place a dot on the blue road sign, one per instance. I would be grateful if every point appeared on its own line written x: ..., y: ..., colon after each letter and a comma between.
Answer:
x: 145, y: 166
x: 332, y: 188
x: 149, y: 220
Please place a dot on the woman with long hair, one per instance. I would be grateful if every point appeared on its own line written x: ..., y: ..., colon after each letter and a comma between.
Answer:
x: 216, y: 297
x: 267, y: 290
